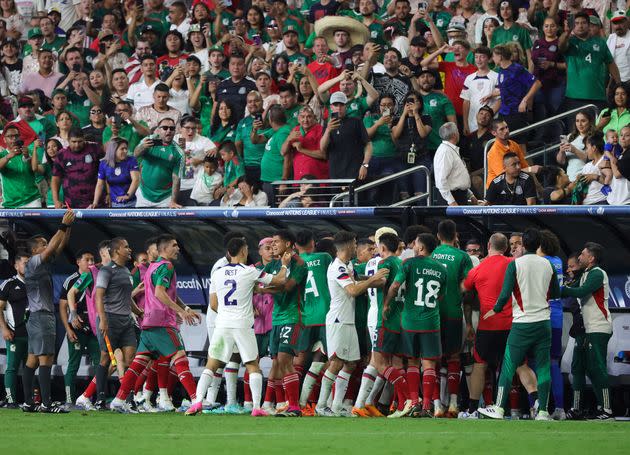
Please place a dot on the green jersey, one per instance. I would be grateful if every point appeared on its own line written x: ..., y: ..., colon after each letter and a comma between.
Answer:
x: 393, y: 264
x: 159, y: 165
x: 515, y: 33
x: 252, y: 153
x: 316, y: 299
x: 382, y: 144
x: 587, y: 68
x: 127, y: 132
x: 272, y: 161
x: 425, y: 283
x: 84, y: 282
x: 286, y: 305
x: 357, y: 107
x: 457, y: 264
x: 232, y: 170
x: 18, y: 182
x: 163, y: 275
x: 361, y: 302
x: 292, y: 115
x: 438, y: 107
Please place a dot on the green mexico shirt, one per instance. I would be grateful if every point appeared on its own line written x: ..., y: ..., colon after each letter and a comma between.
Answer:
x: 127, y: 132
x: 272, y: 161
x: 84, y: 282
x: 425, y: 283
x: 159, y: 165
x: 356, y: 107
x: 18, y: 182
x: 361, y: 302
x: 252, y: 153
x: 163, y: 275
x: 232, y: 170
x: 392, y: 324
x: 587, y: 68
x: 514, y: 33
x: 286, y: 305
x: 316, y: 294
x: 437, y: 106
x: 292, y: 115
x: 382, y: 144
x: 457, y: 264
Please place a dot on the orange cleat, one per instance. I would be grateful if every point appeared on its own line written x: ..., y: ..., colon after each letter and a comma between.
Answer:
x: 308, y: 411
x: 373, y: 411
x: 360, y: 412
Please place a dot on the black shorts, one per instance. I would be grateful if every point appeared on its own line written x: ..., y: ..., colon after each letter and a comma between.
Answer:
x: 490, y: 346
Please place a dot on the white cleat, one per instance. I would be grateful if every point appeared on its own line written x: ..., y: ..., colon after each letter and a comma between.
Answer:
x: 465, y: 415
x: 85, y: 403
x: 403, y: 412
x: 543, y: 415
x: 166, y: 406
x: 146, y: 407
x: 269, y: 410
x: 324, y: 412
x: 559, y: 414
x: 492, y: 412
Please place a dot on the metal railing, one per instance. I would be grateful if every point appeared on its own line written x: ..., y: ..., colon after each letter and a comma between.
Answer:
x: 526, y: 129
x: 368, y: 186
x: 321, y: 189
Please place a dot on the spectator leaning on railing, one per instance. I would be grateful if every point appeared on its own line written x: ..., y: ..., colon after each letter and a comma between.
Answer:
x: 451, y: 176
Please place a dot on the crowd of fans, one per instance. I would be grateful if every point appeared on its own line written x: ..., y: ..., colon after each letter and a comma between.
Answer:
x: 167, y: 103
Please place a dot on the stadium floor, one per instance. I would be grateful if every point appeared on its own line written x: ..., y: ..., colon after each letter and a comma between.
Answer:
x: 98, y: 433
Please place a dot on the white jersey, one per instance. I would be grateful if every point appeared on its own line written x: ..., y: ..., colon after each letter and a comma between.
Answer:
x: 370, y: 269
x: 212, y: 315
x: 234, y: 285
x: 342, y: 304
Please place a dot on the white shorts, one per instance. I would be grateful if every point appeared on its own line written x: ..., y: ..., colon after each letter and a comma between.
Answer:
x: 343, y: 342
x: 141, y: 201
x: 224, y: 339
x: 210, y: 318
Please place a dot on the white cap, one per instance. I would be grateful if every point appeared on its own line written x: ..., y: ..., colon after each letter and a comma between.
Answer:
x: 338, y: 97
x: 383, y: 230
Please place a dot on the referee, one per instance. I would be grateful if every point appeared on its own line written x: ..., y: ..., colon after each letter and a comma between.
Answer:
x: 41, y: 326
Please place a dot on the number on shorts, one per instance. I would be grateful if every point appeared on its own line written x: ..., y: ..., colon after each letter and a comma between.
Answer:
x: 285, y: 332
x: 311, y: 286
x: 430, y: 299
x: 226, y: 299
x: 371, y: 291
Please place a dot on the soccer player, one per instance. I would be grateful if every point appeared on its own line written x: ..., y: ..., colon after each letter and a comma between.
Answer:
x: 81, y: 339
x: 160, y: 335
x: 457, y: 264
x: 13, y: 304
x: 231, y: 293
x: 285, y: 329
x: 41, y: 322
x: 316, y: 301
x: 549, y: 249
x: 341, y: 335
x: 531, y: 278
x: 388, y: 337
x: 593, y: 293
x: 516, y: 244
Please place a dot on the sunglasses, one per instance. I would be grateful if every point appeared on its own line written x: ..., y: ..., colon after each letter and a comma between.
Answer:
x: 96, y: 111
x: 168, y: 128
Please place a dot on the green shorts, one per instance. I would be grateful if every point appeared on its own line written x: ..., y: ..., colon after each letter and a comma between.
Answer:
x: 312, y: 339
x: 425, y: 345
x: 451, y: 334
x: 387, y: 342
x: 160, y: 341
x: 262, y: 340
x: 365, y: 345
x: 284, y: 338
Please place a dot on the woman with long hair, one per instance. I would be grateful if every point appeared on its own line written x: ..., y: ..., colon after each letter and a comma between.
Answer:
x: 42, y: 165
x: 280, y: 69
x: 64, y: 125
x: 97, y: 89
x: 572, y: 152
x: 256, y: 20
x: 120, y: 173
x: 489, y: 26
x: 616, y: 115
x: 12, y: 18
x: 595, y: 175
x: 223, y: 126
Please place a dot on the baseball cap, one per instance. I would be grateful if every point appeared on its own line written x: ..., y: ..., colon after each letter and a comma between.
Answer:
x: 57, y: 91
x: 289, y: 29
x: 338, y: 97
x: 215, y: 48
x: 10, y: 41
x: 456, y: 27
x: 594, y: 20
x: 487, y: 108
x: 25, y: 101
x: 104, y: 34
x: 34, y: 32
x: 618, y: 16
x: 149, y: 28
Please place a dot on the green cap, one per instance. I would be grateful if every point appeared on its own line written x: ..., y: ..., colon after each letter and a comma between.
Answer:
x: 35, y: 31
x: 57, y: 91
x: 289, y: 29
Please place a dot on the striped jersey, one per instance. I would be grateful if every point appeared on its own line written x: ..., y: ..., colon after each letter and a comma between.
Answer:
x: 593, y: 293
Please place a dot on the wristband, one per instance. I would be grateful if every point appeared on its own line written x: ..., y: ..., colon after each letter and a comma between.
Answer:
x: 186, y: 308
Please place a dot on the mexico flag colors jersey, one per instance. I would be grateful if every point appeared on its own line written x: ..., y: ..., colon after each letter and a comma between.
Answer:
x: 234, y: 286
x: 457, y: 264
x: 425, y: 284
x: 316, y: 294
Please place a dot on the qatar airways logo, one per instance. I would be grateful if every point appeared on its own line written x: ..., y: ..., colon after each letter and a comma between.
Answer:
x: 194, y: 284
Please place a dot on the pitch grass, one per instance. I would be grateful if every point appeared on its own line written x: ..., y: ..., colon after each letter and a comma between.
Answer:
x: 108, y: 433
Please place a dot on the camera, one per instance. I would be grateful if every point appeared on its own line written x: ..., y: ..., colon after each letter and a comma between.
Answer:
x: 256, y: 40
x: 19, y: 142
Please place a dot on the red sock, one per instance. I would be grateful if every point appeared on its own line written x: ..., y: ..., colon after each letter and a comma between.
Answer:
x: 172, y: 380
x: 454, y: 376
x: 436, y: 389
x: 91, y: 389
x: 429, y: 384
x: 140, y: 381
x: 354, y: 384
x: 270, y: 393
x: 515, y: 398
x: 130, y: 377
x: 246, y: 390
x: 299, y: 369
x: 279, y: 391
x: 314, y: 396
x: 413, y: 379
x: 401, y: 387
x: 151, y: 382
x: 488, y: 392
x: 185, y: 376
x: 162, y: 372
x: 291, y: 384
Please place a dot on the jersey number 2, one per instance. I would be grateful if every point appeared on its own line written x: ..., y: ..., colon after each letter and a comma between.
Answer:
x: 226, y: 299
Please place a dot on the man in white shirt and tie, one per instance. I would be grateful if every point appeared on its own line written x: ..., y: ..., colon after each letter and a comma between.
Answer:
x: 451, y: 176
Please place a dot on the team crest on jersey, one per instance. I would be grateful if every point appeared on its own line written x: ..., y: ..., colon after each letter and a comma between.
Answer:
x: 433, y: 103
x: 514, y: 37
x: 596, y: 47
x: 553, y: 48
x: 354, y: 106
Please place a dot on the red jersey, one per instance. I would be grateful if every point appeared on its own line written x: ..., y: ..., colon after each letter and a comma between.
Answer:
x: 454, y: 82
x: 487, y: 279
x: 303, y: 164
x: 324, y: 72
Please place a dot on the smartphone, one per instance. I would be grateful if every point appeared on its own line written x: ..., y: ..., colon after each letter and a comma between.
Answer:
x: 257, y: 117
x: 334, y: 115
x: 157, y: 142
x: 19, y: 142
x: 423, y: 6
x: 76, y: 67
x: 349, y: 66
x: 117, y: 120
x: 140, y: 4
x: 256, y: 40
x: 102, y: 48
x: 571, y: 21
x: 226, y: 2
x: 386, y: 112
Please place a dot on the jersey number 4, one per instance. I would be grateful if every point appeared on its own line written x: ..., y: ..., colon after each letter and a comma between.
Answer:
x: 311, y: 285
x: 232, y: 290
x: 430, y: 298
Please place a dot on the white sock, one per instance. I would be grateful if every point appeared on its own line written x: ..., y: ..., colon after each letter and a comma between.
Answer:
x: 147, y: 394
x: 453, y: 400
x: 68, y: 395
x: 443, y: 385
x: 310, y: 378
x: 386, y: 394
x: 367, y: 384
x: 255, y: 384
x: 9, y: 396
x: 164, y: 398
x: 231, y: 378
x: 215, y: 384
x: 341, y: 387
x: 327, y: 381
x: 376, y: 389
x: 204, y: 382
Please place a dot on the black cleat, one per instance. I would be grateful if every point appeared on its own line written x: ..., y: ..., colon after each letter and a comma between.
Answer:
x: 575, y: 414
x: 101, y: 405
x: 26, y: 407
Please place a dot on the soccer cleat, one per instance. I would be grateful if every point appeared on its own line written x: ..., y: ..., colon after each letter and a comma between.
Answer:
x: 452, y: 412
x: 11, y: 406
x: 85, y: 403
x: 439, y: 411
x: 425, y: 414
x: 373, y: 411
x: 101, y: 405
x: 308, y: 411
x: 121, y: 407
x: 602, y: 415
x: 515, y: 414
x: 324, y: 412
x: 543, y: 415
x: 54, y: 408
x: 29, y: 407
x: 575, y: 414
x: 559, y: 414
x: 342, y: 412
x: 281, y: 407
x: 166, y: 406
x: 360, y: 412
x: 290, y: 412
x: 465, y: 415
x: 416, y: 410
x: 533, y: 411
x: 194, y: 409
x: 248, y: 407
x: 492, y: 412
x: 259, y: 412
x: 401, y: 412
x: 270, y: 410
x: 146, y: 407
x: 233, y: 409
